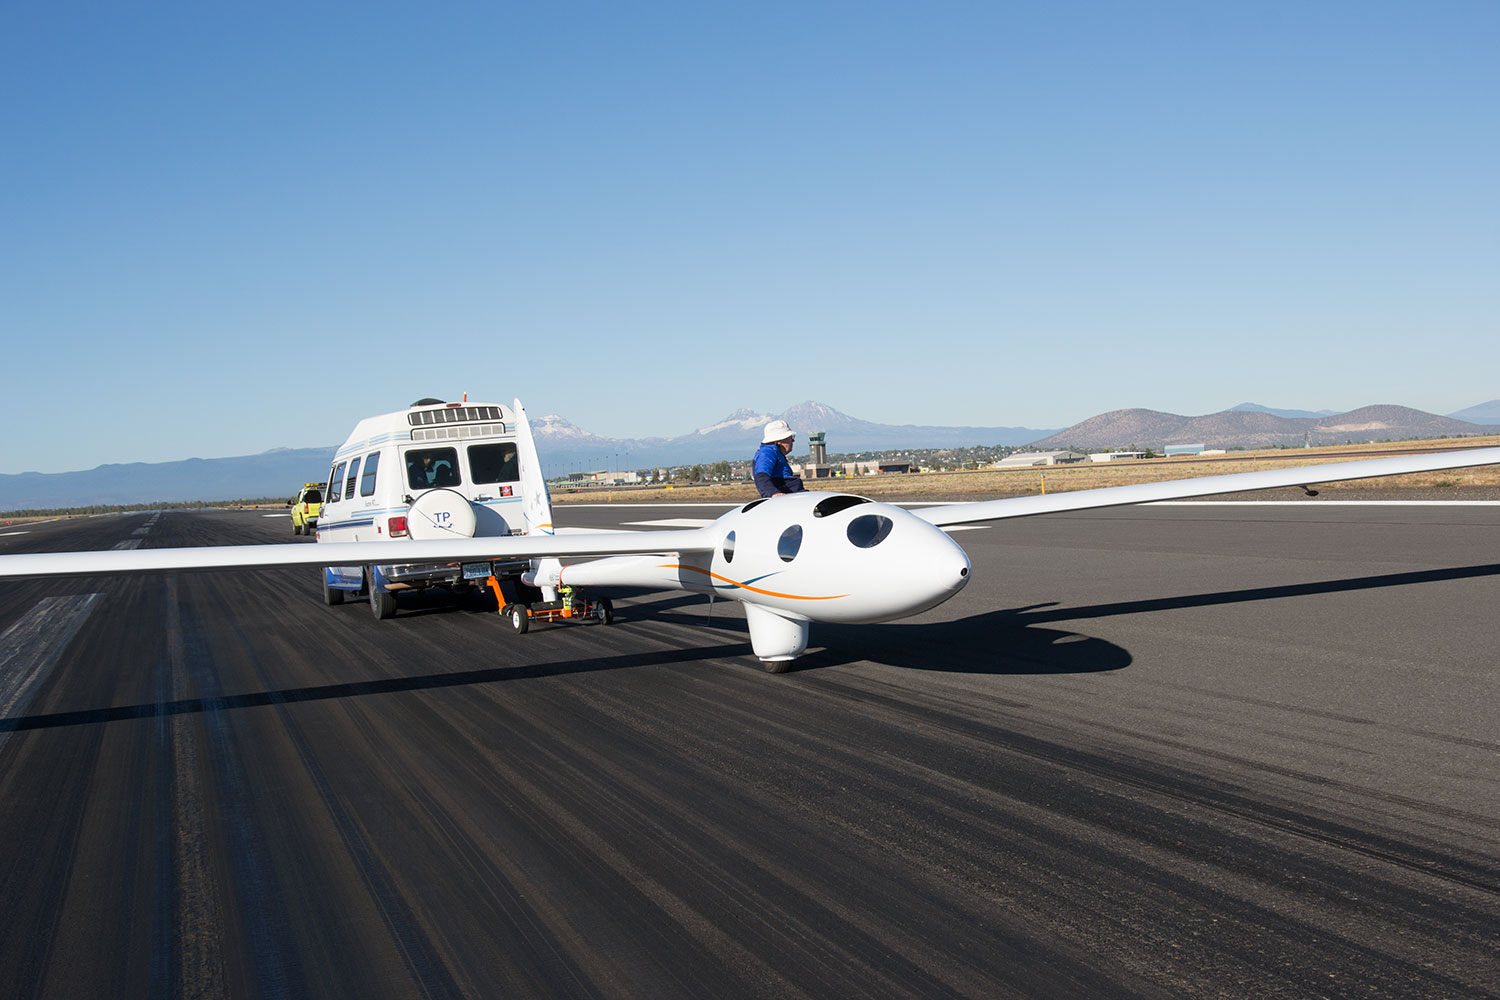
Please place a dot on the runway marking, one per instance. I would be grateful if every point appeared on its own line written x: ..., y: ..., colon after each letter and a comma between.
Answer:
x: 276, y: 515
x: 31, y: 647
x: 129, y: 543
x: 682, y: 503
x: 1323, y: 503
x: 142, y: 530
x: 7, y: 534
x: 676, y: 522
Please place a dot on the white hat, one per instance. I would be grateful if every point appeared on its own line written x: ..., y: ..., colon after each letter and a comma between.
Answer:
x: 777, y: 430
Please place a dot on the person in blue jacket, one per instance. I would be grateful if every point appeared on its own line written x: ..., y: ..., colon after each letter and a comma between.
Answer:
x: 773, y: 476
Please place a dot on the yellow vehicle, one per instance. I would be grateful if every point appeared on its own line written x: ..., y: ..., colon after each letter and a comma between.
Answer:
x: 306, y: 508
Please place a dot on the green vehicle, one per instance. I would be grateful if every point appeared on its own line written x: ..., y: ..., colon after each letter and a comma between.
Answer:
x: 305, y: 509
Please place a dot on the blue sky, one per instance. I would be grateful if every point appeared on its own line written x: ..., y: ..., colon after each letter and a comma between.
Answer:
x: 231, y: 227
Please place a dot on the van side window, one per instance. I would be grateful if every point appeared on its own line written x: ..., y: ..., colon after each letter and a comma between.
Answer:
x: 494, y: 463
x: 429, y: 467
x: 367, y: 484
x: 353, y: 475
x: 335, y: 481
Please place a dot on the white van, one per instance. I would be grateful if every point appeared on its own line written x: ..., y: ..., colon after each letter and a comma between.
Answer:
x: 433, y: 470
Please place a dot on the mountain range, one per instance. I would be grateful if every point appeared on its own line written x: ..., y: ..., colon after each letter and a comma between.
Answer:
x: 1258, y: 428
x: 564, y: 447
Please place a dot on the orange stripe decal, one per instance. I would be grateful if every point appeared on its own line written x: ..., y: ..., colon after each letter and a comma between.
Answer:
x: 746, y: 586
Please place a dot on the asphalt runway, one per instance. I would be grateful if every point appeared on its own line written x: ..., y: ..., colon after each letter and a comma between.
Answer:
x: 1179, y: 751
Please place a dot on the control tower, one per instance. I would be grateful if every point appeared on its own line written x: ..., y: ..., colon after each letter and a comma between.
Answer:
x: 817, y: 458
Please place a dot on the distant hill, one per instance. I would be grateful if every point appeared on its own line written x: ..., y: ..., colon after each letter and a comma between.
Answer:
x: 270, y: 474
x: 1257, y: 408
x: 1484, y: 413
x: 1258, y: 429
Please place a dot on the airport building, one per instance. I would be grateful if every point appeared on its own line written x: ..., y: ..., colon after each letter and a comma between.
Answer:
x: 1028, y: 459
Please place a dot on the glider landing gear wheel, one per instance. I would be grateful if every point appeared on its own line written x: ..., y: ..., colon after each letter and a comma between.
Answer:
x: 776, y: 666
x: 520, y: 618
x: 604, y: 610
x: 331, y: 595
x: 382, y: 602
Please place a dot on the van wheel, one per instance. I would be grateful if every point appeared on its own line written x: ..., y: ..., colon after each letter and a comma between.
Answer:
x: 520, y: 618
x: 331, y: 595
x: 382, y: 602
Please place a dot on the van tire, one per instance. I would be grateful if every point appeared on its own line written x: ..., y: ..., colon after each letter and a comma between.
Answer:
x: 382, y: 602
x: 331, y: 595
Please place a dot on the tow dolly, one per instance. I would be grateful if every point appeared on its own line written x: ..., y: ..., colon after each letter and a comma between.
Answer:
x: 570, y: 605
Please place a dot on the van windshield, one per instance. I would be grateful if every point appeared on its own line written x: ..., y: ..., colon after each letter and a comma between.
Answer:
x: 494, y: 463
x: 429, y: 467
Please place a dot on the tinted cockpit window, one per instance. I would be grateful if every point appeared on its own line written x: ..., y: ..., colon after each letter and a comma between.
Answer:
x: 789, y: 543
x: 869, y: 530
x: 429, y: 467
x: 836, y: 503
x: 494, y: 463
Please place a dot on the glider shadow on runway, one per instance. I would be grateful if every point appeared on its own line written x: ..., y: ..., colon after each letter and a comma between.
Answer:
x: 353, y: 689
x: 994, y: 642
x: 1059, y: 614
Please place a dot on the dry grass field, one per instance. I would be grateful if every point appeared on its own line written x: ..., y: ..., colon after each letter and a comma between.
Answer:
x: 987, y: 483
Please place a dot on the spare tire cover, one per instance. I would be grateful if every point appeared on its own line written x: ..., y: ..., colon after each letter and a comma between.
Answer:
x: 440, y: 514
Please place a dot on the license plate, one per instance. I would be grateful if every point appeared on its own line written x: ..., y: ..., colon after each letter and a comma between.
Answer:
x: 477, y: 571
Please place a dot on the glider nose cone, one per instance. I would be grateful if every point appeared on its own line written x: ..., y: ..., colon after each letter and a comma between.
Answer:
x: 943, y: 573
x: 955, y: 569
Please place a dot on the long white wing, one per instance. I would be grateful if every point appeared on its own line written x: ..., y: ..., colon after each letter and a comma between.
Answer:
x: 355, y: 553
x: 1182, y: 489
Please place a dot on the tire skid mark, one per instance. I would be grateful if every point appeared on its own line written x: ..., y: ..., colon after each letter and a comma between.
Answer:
x: 703, y: 928
x: 194, y: 951
x: 517, y: 900
x: 731, y: 871
x: 1184, y: 786
x: 1264, y: 869
x: 943, y: 964
x: 274, y: 960
x: 418, y: 954
x: 1051, y: 834
x: 29, y: 650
